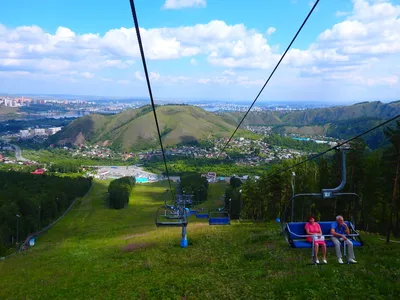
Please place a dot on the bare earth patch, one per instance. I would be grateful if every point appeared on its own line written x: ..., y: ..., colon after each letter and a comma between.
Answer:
x: 196, y: 225
x: 133, y: 236
x: 133, y: 247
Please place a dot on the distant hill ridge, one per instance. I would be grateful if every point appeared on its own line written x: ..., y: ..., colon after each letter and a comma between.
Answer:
x: 135, y: 128
x: 317, y: 116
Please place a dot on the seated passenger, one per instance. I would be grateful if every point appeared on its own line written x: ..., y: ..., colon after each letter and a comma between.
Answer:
x: 314, y: 229
x: 339, y: 230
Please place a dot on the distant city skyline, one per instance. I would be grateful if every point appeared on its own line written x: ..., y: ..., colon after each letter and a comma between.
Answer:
x: 348, y: 51
x: 188, y: 100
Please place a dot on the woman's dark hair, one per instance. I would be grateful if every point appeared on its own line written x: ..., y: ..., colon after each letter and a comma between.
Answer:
x: 310, y: 217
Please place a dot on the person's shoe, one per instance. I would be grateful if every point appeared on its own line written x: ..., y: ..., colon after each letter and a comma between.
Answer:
x: 316, y: 261
x: 340, y: 261
x: 352, y: 260
x: 324, y: 261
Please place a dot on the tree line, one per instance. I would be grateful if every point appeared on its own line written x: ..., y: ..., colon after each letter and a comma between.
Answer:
x: 223, y: 167
x: 372, y: 175
x: 31, y: 202
x: 277, y: 140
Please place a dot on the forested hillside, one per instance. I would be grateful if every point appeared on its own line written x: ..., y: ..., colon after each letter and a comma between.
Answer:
x: 37, y: 200
x: 370, y: 174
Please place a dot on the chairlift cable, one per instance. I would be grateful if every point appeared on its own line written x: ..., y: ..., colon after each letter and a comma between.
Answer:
x: 272, y: 73
x: 137, y: 28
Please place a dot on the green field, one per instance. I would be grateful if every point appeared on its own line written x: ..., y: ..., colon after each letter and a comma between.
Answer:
x: 98, y: 253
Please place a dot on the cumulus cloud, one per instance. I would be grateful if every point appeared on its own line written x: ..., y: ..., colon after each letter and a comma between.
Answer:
x: 271, y: 30
x: 368, y: 34
x: 231, y: 79
x: 223, y: 44
x: 139, y: 76
x: 193, y: 62
x: 179, y: 4
x: 341, y: 13
x: 165, y: 79
x: 229, y: 72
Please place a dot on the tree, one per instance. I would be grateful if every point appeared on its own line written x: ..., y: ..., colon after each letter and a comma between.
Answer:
x: 394, y: 137
x: 119, y: 191
x: 235, y: 182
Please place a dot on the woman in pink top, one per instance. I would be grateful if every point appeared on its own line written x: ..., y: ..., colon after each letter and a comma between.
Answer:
x: 314, y: 229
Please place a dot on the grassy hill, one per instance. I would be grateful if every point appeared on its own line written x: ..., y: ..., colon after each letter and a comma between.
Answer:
x: 135, y: 129
x: 7, y: 112
x: 98, y: 253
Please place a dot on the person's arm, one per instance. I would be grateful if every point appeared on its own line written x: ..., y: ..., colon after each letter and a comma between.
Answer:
x: 306, y: 229
x: 338, y: 235
x: 347, y: 230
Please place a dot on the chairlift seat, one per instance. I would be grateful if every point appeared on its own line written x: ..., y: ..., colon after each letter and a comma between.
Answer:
x: 174, y: 217
x: 296, y: 232
x: 219, y: 221
x: 202, y: 214
x: 171, y: 224
x: 170, y: 218
x: 219, y: 217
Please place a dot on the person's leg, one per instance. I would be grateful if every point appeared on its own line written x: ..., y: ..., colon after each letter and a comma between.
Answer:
x: 336, y: 242
x: 350, y: 250
x: 323, y: 251
x: 316, y: 246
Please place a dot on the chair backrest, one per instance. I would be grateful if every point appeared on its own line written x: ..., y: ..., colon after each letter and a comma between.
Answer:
x: 297, y: 228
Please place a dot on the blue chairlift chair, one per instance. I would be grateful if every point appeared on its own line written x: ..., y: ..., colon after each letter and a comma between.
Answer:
x: 219, y: 217
x: 294, y: 232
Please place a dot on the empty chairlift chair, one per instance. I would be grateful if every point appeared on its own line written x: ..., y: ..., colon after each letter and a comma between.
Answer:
x: 202, y: 213
x: 171, y: 216
x: 219, y: 217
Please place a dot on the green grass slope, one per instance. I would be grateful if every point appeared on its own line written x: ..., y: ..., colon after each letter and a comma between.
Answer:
x: 135, y: 129
x: 97, y: 253
x: 8, y: 113
x: 4, y: 110
x: 253, y: 118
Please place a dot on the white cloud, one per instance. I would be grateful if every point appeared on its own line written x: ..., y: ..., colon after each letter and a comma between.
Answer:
x: 139, y: 76
x: 341, y: 13
x: 231, y: 80
x: 165, y: 79
x: 229, y: 45
x: 123, y: 82
x: 311, y: 3
x: 271, y: 30
x: 355, y: 46
x: 204, y: 80
x: 178, y: 4
x: 87, y: 75
x: 154, y: 76
x: 194, y: 62
x: 229, y: 72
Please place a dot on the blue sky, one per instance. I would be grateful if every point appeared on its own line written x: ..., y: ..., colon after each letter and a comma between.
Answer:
x: 203, y: 49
